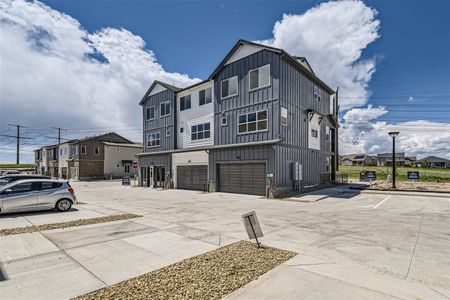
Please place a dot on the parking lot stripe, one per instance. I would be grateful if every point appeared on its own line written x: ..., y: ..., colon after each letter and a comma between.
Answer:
x: 381, y: 202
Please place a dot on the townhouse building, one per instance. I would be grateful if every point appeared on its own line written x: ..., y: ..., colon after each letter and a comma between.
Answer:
x: 97, y: 157
x: 263, y: 123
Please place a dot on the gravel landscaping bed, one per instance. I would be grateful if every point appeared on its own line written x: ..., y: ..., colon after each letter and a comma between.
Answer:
x: 60, y: 225
x: 211, y: 275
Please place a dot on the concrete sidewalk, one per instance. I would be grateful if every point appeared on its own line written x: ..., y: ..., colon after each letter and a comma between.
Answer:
x: 307, y: 277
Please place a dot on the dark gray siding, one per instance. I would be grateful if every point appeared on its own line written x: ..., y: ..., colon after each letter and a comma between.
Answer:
x: 262, y: 153
x: 156, y: 160
x: 297, y: 95
x: 247, y: 101
x: 160, y: 124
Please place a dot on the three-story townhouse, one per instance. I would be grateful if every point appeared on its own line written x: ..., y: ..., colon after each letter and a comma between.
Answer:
x: 274, y: 126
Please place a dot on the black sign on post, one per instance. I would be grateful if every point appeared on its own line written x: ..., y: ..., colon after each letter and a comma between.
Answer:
x: 371, y: 175
x: 413, y: 175
x: 126, y: 180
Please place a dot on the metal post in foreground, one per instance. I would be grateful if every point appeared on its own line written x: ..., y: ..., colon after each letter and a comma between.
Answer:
x: 253, y: 229
x: 393, y: 135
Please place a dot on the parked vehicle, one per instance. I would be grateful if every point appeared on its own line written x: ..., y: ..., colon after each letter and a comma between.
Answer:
x: 36, y: 194
x: 8, y: 172
x: 10, y: 178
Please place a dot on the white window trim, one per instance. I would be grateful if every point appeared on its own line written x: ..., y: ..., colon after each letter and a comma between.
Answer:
x: 97, y: 147
x: 250, y: 132
x: 259, y: 87
x: 148, y: 140
x: 281, y: 116
x: 154, y: 113
x: 81, y: 150
x: 237, y: 90
x: 163, y: 116
x: 226, y: 121
x: 203, y: 139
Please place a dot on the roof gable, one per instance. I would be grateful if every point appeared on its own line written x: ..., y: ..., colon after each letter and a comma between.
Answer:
x: 158, y: 87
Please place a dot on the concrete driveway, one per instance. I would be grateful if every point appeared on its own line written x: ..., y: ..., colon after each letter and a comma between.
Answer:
x: 350, y: 245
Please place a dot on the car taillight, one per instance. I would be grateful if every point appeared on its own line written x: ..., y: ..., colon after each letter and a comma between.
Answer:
x: 71, y: 191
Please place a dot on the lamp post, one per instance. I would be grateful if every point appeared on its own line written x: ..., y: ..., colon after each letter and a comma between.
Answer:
x: 393, y: 134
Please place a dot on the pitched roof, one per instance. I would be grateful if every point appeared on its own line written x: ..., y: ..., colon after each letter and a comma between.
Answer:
x: 389, y: 155
x: 156, y: 82
x: 103, y: 138
x: 284, y: 54
x: 433, y: 159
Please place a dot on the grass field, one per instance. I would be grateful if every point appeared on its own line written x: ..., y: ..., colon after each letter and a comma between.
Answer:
x: 14, y: 166
x: 426, y: 174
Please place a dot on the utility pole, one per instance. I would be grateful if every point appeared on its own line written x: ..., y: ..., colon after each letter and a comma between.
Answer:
x: 59, y: 138
x: 18, y: 138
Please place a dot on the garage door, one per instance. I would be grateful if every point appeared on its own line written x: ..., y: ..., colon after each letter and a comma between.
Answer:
x: 243, y: 178
x: 192, y: 177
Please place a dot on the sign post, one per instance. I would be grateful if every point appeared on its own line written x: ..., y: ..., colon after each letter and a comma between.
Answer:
x: 252, y: 226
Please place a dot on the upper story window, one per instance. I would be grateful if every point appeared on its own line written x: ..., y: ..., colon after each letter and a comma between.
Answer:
x: 284, y: 116
x: 317, y: 93
x: 201, y: 131
x: 205, y: 96
x: 229, y: 87
x: 251, y: 122
x: 259, y: 77
x: 185, y: 102
x: 83, y: 149
x: 327, y: 133
x: 150, y: 113
x: 60, y: 151
x: 165, y: 109
x: 97, y: 150
x: 153, y: 140
x: 314, y: 133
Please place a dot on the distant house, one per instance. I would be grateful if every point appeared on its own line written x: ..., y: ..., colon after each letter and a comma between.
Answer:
x: 356, y: 160
x: 98, y: 157
x: 385, y: 159
x: 433, y: 162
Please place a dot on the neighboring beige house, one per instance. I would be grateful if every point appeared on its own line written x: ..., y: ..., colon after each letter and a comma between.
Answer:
x: 119, y: 159
x: 356, y: 160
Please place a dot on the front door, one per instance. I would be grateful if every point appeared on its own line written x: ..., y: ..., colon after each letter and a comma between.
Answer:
x: 159, y: 175
x: 23, y: 196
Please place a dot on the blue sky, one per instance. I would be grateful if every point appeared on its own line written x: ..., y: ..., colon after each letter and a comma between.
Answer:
x: 391, y: 60
x: 193, y: 36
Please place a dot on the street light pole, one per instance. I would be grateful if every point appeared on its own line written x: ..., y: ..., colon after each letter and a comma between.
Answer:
x: 393, y: 135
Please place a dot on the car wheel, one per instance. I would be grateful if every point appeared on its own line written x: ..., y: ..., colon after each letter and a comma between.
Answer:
x: 63, y: 205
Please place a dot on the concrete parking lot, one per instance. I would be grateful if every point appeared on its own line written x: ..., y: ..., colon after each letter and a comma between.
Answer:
x: 351, y: 245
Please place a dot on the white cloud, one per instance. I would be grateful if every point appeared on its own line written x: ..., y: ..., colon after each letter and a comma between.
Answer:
x: 55, y: 73
x: 332, y: 36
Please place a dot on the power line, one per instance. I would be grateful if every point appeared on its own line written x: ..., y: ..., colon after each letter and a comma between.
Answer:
x: 18, y: 138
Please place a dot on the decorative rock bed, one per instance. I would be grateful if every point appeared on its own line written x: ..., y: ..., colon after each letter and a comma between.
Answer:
x: 211, y: 275
x: 81, y: 222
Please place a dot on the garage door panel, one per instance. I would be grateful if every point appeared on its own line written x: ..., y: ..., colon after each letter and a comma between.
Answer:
x: 242, y: 178
x: 192, y: 177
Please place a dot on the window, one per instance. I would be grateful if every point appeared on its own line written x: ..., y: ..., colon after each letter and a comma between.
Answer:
x: 314, y: 133
x: 317, y: 93
x: 83, y: 149
x: 97, y: 150
x: 61, y: 151
x: 50, y: 185
x: 205, y: 96
x: 224, y: 121
x: 185, y: 102
x: 167, y: 132
x: 76, y: 150
x: 260, y: 77
x: 327, y: 133
x: 251, y: 122
x: 150, y: 113
x: 165, y: 109
x: 153, y: 140
x: 201, y: 131
x: 229, y: 87
x: 127, y: 169
x: 22, y: 187
x: 181, y: 129
x: 284, y: 116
